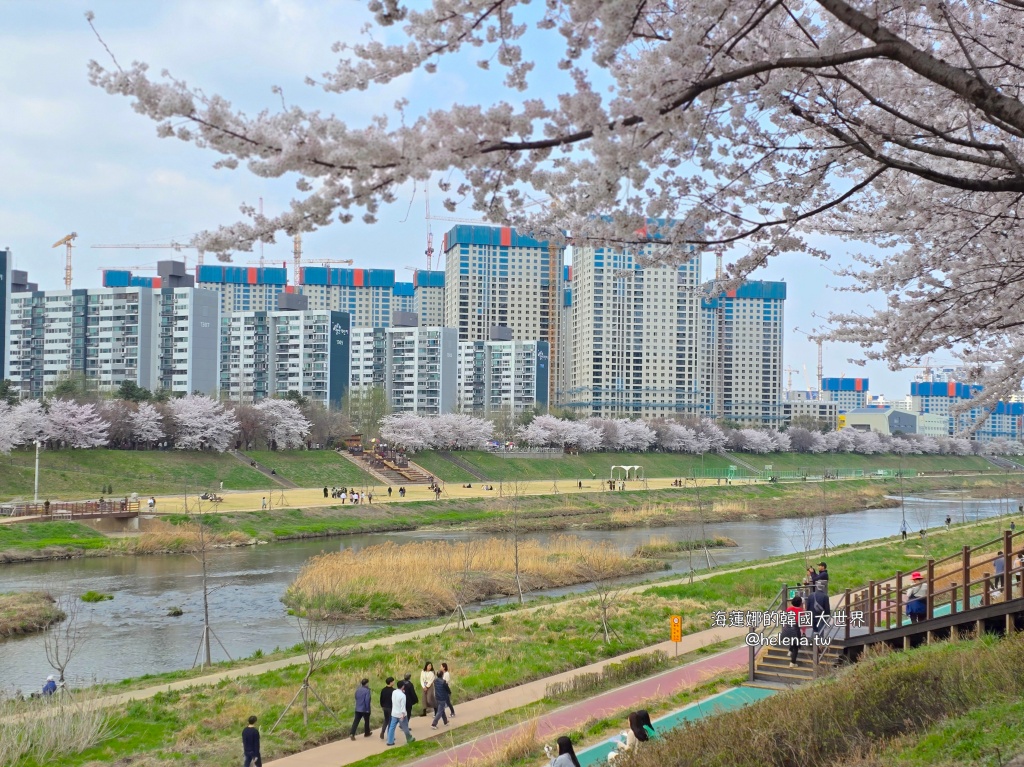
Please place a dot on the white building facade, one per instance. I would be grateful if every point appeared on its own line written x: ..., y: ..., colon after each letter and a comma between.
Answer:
x: 509, y: 376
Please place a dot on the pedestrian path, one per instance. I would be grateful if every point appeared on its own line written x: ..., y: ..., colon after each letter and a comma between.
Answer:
x: 345, y: 751
x: 729, y: 700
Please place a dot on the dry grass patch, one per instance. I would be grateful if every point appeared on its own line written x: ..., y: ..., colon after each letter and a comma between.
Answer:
x: 416, y: 580
x: 181, y: 540
x: 27, y: 612
x: 45, y: 730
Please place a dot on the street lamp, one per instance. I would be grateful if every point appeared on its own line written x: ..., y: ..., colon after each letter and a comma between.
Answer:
x: 35, y: 493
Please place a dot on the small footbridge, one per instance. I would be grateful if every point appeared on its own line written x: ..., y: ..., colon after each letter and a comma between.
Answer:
x: 978, y: 590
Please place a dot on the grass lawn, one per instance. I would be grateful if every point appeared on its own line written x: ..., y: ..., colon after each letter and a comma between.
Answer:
x: 41, y: 535
x: 597, y: 465
x: 75, y: 474
x: 199, y: 725
x: 314, y: 468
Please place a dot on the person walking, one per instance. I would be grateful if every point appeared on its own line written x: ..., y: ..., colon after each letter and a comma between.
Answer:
x: 399, y: 718
x: 325, y: 492
x: 362, y: 709
x: 411, y: 698
x: 448, y: 679
x: 386, y: 693
x: 251, y: 744
x: 903, y: 529
x: 949, y: 521
x: 263, y: 503
x: 917, y: 598
x: 1000, y: 570
x: 427, y: 677
x: 389, y: 492
x: 792, y: 632
x: 442, y: 697
x: 820, y: 609
x: 565, y: 757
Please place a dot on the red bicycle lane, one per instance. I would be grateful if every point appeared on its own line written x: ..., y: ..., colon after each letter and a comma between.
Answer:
x: 556, y: 723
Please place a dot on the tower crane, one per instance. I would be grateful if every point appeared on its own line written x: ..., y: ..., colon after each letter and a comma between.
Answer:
x: 819, y: 341
x: 172, y: 245
x: 430, y: 235
x: 68, y: 242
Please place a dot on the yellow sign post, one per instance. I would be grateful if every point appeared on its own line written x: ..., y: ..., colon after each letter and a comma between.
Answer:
x: 677, y: 631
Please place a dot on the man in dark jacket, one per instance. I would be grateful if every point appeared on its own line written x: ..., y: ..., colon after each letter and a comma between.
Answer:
x: 821, y: 576
x: 819, y: 606
x: 385, y: 703
x: 411, y: 698
x: 442, y: 696
x: 251, y: 744
x: 362, y: 709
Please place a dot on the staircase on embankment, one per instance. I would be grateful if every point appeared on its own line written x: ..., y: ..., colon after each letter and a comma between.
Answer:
x: 463, y: 464
x: 269, y: 473
x: 386, y: 472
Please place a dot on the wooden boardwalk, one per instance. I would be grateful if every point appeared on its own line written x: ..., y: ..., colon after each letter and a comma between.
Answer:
x: 977, y: 590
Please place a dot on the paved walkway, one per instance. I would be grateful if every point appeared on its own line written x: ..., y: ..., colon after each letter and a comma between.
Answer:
x: 550, y: 725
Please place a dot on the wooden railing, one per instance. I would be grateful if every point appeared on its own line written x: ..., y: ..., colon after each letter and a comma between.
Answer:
x: 65, y: 510
x: 955, y: 581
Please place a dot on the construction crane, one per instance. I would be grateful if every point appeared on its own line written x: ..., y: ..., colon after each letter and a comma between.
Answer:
x: 297, y: 255
x: 430, y: 234
x: 67, y: 241
x: 177, y: 246
x: 821, y: 367
x: 789, y: 377
x: 119, y: 266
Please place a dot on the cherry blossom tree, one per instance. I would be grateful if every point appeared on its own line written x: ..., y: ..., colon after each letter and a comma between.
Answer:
x: 72, y: 425
x: 201, y: 423
x: 677, y: 438
x: 282, y: 423
x: 118, y: 414
x: 635, y: 435
x: 8, y: 433
x: 147, y: 424
x: 544, y: 430
x: 712, y: 434
x: 806, y: 441
x: 407, y: 430
x: 30, y: 421
x: 457, y: 431
x: 899, y: 126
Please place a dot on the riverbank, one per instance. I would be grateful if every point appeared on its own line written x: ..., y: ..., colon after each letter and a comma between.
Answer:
x: 571, y: 508
x: 27, y: 612
x: 504, y: 650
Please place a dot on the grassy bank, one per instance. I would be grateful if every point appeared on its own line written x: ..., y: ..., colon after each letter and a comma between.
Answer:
x: 497, y: 467
x: 555, y: 512
x: 74, y: 474
x: 30, y: 541
x: 313, y: 468
x: 27, y: 612
x: 848, y: 717
x: 200, y: 725
x: 419, y: 580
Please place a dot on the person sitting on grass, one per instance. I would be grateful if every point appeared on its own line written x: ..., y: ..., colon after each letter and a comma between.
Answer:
x: 566, y: 757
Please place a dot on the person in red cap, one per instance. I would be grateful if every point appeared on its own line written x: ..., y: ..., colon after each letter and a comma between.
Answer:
x: 917, y: 598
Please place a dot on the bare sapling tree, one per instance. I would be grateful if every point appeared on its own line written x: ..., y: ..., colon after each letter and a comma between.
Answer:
x: 199, y: 524
x: 515, y: 497
x: 320, y: 637
x: 597, y: 563
x: 459, y: 567
x: 63, y: 640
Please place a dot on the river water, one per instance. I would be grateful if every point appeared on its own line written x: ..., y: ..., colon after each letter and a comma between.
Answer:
x: 132, y: 634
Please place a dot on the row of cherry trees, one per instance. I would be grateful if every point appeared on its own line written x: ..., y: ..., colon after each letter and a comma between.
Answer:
x: 698, y: 436
x: 195, y: 422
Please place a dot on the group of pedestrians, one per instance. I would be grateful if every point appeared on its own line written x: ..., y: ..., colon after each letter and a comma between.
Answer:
x: 398, y: 701
x: 343, y: 494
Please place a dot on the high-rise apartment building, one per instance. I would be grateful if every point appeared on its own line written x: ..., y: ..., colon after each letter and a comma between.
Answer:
x: 847, y: 393
x: 5, y: 309
x: 495, y: 277
x: 163, y: 338
x: 268, y: 354
x: 634, y: 337
x: 417, y: 367
x: 503, y: 375
x: 403, y: 298
x: 741, y: 347
x: 367, y: 295
x: 243, y: 288
x: 428, y: 298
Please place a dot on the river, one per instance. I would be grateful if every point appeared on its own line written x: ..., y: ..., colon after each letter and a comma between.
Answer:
x: 132, y: 634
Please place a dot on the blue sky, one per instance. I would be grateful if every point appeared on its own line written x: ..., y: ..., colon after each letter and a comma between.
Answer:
x: 74, y: 159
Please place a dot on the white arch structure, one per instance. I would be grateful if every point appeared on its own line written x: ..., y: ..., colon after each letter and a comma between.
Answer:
x: 625, y: 471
